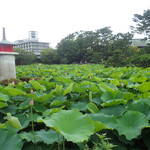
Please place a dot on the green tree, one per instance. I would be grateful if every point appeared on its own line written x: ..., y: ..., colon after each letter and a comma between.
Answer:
x: 142, y: 23
x: 102, y: 41
x: 24, y: 57
x: 141, y: 60
x: 117, y: 60
x: 72, y: 48
x: 49, y: 56
x: 122, y: 41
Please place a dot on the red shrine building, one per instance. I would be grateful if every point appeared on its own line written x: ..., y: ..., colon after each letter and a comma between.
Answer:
x: 5, y: 46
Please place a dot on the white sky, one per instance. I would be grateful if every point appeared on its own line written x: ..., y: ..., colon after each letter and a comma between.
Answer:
x: 55, y: 19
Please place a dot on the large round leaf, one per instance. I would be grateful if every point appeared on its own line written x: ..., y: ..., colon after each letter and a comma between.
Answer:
x: 131, y: 124
x: 9, y: 140
x: 110, y: 121
x: 72, y: 124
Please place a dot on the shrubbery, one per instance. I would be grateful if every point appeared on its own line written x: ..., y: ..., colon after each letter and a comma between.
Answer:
x: 24, y: 57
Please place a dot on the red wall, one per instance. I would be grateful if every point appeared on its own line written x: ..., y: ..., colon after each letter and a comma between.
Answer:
x: 6, y: 48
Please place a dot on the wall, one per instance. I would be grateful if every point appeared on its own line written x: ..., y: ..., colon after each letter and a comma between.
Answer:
x: 7, y: 65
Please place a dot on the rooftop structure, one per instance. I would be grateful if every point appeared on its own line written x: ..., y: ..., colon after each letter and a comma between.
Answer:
x: 5, y: 46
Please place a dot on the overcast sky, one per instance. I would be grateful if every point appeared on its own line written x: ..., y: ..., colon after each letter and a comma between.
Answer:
x: 55, y: 19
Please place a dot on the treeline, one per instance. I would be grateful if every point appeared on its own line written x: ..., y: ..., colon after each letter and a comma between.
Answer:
x: 100, y: 46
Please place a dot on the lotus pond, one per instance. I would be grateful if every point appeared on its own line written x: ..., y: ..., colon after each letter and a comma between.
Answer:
x: 76, y: 107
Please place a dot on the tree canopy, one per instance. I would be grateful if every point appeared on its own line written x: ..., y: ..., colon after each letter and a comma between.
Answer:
x: 24, y: 57
x: 142, y: 23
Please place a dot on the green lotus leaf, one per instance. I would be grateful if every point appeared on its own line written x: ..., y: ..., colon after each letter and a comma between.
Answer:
x: 48, y: 112
x: 114, y: 102
x: 138, y: 79
x: 110, y: 95
x: 69, y: 89
x: 3, y: 126
x: 128, y: 95
x: 39, y: 108
x: 59, y: 100
x: 36, y: 85
x: 144, y: 87
x: 140, y: 106
x: 72, y: 124
x: 62, y: 79
x: 107, y: 87
x: 14, y: 92
x: 13, y: 121
x: 111, y: 98
x: 42, y: 97
x: 116, y: 82
x: 131, y: 124
x: 3, y: 97
x: 99, y: 126
x: 10, y: 141
x: 57, y: 90
x: 48, y: 137
x: 113, y: 110
x: 110, y: 121
x: 92, y: 108
x: 9, y: 109
x: 2, y: 105
x: 23, y: 119
x: 80, y: 106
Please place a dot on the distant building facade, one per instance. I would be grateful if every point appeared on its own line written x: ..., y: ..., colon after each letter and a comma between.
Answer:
x: 140, y: 43
x: 32, y: 44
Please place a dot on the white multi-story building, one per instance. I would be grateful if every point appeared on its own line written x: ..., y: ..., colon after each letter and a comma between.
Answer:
x: 32, y: 44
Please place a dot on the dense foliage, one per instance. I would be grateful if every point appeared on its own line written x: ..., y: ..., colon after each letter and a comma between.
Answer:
x: 76, y: 107
x: 99, y: 47
x: 142, y: 23
x: 24, y: 57
x: 93, y: 47
x: 49, y: 56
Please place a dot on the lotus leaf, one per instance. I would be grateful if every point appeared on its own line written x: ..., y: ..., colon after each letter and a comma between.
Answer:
x: 140, y: 106
x: 72, y: 124
x: 3, y: 97
x: 37, y: 86
x: 113, y: 110
x: 144, y: 87
x: 13, y: 121
x: 69, y: 89
x: 110, y: 121
x: 48, y: 137
x: 14, y: 92
x: 131, y: 124
x: 92, y: 108
x: 80, y: 106
x: 107, y: 87
x: 9, y: 140
x: 2, y: 105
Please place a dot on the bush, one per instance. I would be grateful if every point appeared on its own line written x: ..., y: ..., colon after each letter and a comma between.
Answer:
x: 117, y: 60
x: 49, y: 56
x: 24, y: 57
x: 5, y: 82
x: 27, y: 79
x: 141, y: 61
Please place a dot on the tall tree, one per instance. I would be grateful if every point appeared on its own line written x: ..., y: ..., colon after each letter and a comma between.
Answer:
x: 49, y: 56
x: 102, y: 41
x: 24, y: 57
x: 122, y: 41
x: 142, y: 23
